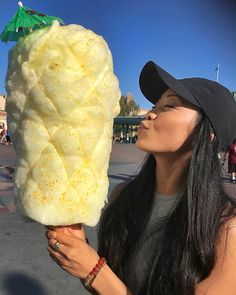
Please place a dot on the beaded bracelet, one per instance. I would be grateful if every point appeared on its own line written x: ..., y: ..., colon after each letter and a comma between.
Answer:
x: 92, y: 275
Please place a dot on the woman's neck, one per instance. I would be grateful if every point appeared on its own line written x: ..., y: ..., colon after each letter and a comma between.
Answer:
x: 171, y: 172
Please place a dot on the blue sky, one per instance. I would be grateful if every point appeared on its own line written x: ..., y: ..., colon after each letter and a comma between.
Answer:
x: 187, y: 38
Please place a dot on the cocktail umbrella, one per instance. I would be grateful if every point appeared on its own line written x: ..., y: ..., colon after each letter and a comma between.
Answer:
x: 24, y: 22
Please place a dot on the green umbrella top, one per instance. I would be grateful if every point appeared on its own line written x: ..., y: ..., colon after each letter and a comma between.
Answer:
x: 24, y: 22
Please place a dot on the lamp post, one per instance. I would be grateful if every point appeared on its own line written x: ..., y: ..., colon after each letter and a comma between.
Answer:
x: 217, y: 72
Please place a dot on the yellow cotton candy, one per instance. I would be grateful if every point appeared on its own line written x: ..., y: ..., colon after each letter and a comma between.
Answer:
x: 62, y: 99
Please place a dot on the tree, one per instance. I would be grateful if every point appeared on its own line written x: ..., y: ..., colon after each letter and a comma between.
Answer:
x: 234, y: 95
x: 128, y: 106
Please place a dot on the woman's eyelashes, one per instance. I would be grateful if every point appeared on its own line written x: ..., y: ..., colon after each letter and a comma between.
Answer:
x: 169, y: 106
x: 162, y: 108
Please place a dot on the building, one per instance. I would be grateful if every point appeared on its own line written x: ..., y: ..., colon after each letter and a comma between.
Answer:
x: 129, y: 98
x: 142, y: 112
x: 3, y: 114
x: 125, y: 128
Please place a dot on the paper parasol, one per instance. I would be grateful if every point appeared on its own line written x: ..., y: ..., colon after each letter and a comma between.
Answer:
x: 24, y: 22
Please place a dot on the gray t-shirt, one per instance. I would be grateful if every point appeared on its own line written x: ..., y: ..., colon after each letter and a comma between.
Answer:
x: 138, y: 264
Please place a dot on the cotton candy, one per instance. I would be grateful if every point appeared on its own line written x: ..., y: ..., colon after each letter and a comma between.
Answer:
x: 62, y: 97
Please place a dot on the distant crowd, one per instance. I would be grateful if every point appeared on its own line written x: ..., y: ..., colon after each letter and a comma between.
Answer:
x: 5, y: 137
x: 120, y: 138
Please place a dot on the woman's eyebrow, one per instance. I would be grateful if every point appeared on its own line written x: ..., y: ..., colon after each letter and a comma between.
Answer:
x: 170, y: 98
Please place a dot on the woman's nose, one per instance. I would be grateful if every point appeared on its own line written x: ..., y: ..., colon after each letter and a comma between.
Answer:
x: 151, y: 115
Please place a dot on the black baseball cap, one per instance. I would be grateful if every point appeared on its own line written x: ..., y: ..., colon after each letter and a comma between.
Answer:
x: 214, y: 99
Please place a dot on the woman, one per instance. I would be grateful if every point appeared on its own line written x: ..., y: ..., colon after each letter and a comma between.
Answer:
x: 171, y: 230
x: 231, y: 150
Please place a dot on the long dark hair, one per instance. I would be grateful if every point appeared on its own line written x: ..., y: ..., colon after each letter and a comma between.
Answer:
x: 188, y: 247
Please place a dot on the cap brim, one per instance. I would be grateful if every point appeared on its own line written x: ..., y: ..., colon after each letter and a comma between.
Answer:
x: 154, y: 81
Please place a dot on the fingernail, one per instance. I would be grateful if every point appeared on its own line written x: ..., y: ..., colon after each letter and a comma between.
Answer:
x: 51, y: 234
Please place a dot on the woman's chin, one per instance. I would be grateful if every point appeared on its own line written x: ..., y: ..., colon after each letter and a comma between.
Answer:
x: 142, y: 146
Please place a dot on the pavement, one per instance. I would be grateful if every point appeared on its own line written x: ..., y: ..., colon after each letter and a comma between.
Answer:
x: 25, y: 266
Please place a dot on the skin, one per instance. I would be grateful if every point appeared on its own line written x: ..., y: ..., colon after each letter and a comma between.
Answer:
x: 222, y: 278
x: 168, y: 125
x: 77, y: 258
x: 166, y: 133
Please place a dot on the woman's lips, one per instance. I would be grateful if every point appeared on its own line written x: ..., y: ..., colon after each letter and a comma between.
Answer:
x: 142, y: 127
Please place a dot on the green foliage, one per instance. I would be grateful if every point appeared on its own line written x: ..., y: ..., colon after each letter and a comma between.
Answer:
x: 128, y: 108
x: 234, y: 95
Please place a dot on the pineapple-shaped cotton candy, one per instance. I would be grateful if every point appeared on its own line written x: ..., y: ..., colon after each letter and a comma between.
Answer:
x: 62, y: 99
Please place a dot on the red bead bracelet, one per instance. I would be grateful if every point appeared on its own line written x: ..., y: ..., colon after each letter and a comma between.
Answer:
x: 92, y: 275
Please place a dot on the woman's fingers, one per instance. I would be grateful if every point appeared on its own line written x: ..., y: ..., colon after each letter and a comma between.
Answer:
x: 65, y: 245
x: 58, y: 250
x: 75, y: 230
x: 59, y: 258
x: 62, y: 237
x: 71, y: 252
x: 58, y: 247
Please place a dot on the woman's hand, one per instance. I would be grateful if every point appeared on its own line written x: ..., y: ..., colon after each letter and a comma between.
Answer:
x: 77, y: 258
x: 76, y: 230
x: 74, y: 255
